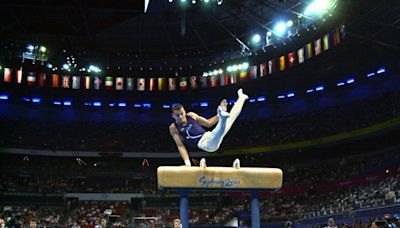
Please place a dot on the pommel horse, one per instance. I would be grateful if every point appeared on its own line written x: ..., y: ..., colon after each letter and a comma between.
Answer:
x: 205, y: 178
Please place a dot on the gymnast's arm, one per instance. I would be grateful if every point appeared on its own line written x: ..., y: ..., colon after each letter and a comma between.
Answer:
x: 203, y: 121
x: 178, y: 141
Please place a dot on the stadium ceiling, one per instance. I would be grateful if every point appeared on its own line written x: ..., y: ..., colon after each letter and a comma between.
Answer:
x: 110, y: 30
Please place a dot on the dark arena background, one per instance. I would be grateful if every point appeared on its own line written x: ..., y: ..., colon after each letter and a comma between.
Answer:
x: 86, y: 89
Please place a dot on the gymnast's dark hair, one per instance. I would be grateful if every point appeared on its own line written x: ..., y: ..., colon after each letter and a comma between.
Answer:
x: 176, y: 107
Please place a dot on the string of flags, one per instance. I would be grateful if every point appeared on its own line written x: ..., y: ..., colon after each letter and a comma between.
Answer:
x: 265, y: 69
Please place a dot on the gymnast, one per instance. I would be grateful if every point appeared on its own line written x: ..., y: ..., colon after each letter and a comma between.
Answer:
x: 188, y: 127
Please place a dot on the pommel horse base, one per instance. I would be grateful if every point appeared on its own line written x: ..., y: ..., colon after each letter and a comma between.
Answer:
x: 205, y: 178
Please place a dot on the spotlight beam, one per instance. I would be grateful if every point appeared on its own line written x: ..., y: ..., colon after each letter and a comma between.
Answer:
x: 243, y: 45
x: 172, y: 47
x: 255, y: 19
x: 146, y: 5
x: 196, y: 33
x: 280, y: 8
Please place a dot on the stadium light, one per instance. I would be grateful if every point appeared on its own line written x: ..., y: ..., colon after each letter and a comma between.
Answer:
x: 319, y: 88
x: 36, y: 100
x: 146, y: 105
x: 57, y: 102
x: 42, y: 49
x: 280, y: 28
x: 310, y: 90
x: 97, y: 104
x: 30, y: 47
x: 94, y: 69
x: 122, y: 104
x: 256, y: 39
x: 65, y: 66
x: 137, y: 105
x: 289, y: 23
x: 261, y: 99
x: 166, y: 106
x: 350, y: 80
x: 203, y: 104
x: 319, y: 7
x: 340, y: 84
x: 370, y: 74
x: 281, y: 96
x: 290, y: 94
x: 67, y: 103
x: 34, y: 52
x: 381, y: 71
x: 3, y: 97
x: 252, y: 100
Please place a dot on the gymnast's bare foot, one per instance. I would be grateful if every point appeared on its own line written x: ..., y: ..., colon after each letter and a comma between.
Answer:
x: 203, y: 163
x: 241, y: 94
x: 236, y: 163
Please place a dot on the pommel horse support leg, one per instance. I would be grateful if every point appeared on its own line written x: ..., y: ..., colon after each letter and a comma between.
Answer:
x: 205, y: 178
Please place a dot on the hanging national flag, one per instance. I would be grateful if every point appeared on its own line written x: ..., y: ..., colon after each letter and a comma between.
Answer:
x: 243, y: 75
x: 76, y: 82
x: 214, y: 81
x: 129, y: 84
x: 7, y: 75
x: 233, y: 78
x: 161, y: 84
x: 97, y: 83
x: 55, y: 80
x: 152, y: 84
x: 308, y: 51
x: 263, y: 69
x: 109, y: 83
x: 31, y: 78
x: 271, y: 66
x: 65, y: 82
x: 282, y: 63
x: 42, y: 79
x: 204, y: 81
x: 193, y: 82
x: 171, y: 84
x: 318, y: 46
x: 18, y: 76
x: 224, y: 79
x: 342, y: 30
x: 253, y: 72
x: 87, y: 83
x: 336, y: 37
x: 141, y: 84
x: 300, y: 55
x: 182, y: 83
x: 291, y: 59
x: 326, y: 42
x: 119, y: 83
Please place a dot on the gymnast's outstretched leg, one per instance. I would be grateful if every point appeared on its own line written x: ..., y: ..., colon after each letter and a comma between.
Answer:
x: 211, y: 141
